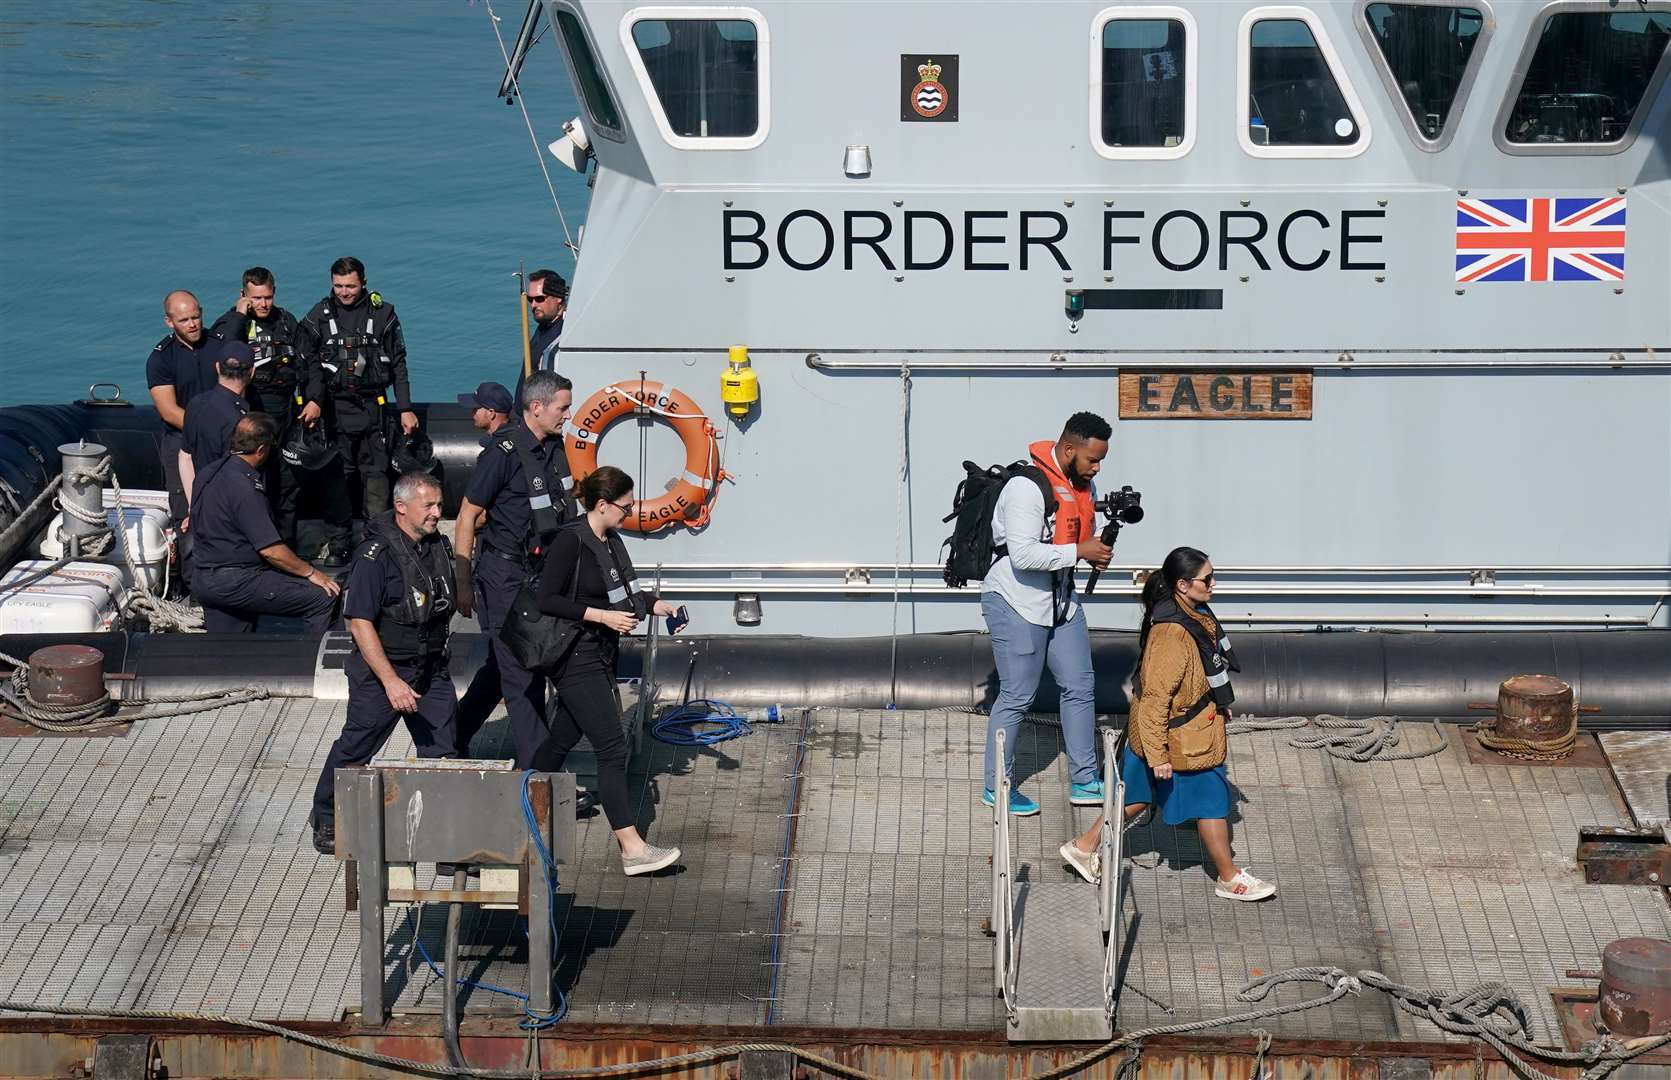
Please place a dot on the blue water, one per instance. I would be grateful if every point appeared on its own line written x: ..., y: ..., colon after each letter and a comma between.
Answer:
x: 147, y: 146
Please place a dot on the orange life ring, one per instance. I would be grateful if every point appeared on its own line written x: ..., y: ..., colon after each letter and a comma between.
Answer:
x: 690, y: 496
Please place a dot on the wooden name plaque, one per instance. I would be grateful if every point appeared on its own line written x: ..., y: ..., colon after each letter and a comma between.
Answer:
x: 1215, y: 395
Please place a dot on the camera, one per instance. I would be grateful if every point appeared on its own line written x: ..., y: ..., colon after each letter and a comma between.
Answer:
x: 1124, y: 506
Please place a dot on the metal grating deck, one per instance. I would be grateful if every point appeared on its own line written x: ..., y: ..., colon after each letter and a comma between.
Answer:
x: 170, y: 869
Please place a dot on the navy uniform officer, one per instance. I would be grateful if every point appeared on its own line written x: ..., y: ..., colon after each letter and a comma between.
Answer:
x: 490, y: 409
x: 279, y: 384
x: 213, y: 414
x: 180, y: 367
x: 520, y: 484
x: 399, y: 606
x: 355, y: 355
x: 244, y: 570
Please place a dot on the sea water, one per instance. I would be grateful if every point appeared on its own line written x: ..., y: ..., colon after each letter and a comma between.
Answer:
x: 147, y: 146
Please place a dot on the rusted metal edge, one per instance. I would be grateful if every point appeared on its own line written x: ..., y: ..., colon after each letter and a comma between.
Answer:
x: 408, y: 1028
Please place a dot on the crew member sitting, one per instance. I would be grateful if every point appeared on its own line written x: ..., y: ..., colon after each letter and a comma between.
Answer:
x: 244, y: 571
x: 400, y: 602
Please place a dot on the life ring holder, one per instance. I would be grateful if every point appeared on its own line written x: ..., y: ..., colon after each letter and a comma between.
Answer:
x: 689, y: 498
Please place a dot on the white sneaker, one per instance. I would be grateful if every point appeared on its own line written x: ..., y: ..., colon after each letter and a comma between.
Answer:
x: 1087, y: 864
x: 649, y: 860
x: 1244, y: 886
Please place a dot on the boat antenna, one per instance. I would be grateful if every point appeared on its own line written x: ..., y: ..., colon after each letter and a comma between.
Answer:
x: 568, y: 237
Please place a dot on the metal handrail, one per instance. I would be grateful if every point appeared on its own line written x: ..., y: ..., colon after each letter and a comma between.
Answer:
x: 1261, y: 569
x: 929, y: 588
x: 987, y: 362
x: 1113, y: 857
x: 1003, y: 904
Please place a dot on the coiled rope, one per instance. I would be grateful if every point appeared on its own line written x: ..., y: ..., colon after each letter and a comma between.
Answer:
x: 1489, y: 1012
x: 17, y: 702
x: 1550, y: 749
x: 1371, y: 738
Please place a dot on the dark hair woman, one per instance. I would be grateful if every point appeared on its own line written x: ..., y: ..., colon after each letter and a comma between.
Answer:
x: 588, y: 577
x: 1175, y: 747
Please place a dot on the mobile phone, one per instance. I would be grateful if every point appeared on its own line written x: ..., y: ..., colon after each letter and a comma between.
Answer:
x: 678, y: 620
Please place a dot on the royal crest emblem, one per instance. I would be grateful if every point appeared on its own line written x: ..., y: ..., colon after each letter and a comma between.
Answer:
x: 928, y: 97
x: 928, y: 86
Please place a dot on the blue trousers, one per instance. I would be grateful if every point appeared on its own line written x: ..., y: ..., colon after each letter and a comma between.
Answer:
x: 1020, y: 650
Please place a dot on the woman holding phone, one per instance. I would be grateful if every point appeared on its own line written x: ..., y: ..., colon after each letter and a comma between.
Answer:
x: 1175, y: 748
x: 589, y: 579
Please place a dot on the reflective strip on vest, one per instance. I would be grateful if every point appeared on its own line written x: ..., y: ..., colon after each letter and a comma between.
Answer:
x: 333, y: 319
x: 540, y: 502
x: 1224, y: 644
x: 617, y: 594
x: 1221, y: 679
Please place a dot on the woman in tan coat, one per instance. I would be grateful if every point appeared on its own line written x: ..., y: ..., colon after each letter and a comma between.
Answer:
x: 1175, y: 746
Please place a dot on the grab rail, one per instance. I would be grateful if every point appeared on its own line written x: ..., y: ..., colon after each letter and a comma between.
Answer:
x: 1003, y: 904
x: 1112, y: 848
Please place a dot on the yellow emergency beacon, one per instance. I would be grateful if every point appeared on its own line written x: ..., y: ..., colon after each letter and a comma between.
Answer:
x: 739, y: 387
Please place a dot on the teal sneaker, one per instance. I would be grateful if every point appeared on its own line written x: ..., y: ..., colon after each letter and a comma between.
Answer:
x: 1086, y: 794
x: 1020, y: 805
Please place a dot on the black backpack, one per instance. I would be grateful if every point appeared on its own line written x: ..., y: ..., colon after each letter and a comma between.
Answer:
x: 972, y: 552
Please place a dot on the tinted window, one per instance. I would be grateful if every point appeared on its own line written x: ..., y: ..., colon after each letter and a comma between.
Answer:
x: 1143, y: 82
x: 593, y: 89
x: 706, y: 74
x: 1588, y: 75
x: 1427, y: 50
x: 1293, y: 99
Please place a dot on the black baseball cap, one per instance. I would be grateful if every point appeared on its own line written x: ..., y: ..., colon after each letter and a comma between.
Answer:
x: 236, y: 358
x: 489, y: 395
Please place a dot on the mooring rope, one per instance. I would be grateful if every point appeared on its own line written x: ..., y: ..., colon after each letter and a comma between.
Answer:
x: 18, y: 702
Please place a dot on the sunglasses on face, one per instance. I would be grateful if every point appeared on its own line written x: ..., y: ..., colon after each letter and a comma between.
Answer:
x: 1207, y: 580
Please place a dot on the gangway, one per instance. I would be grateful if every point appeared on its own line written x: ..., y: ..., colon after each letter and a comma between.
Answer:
x: 1056, y: 943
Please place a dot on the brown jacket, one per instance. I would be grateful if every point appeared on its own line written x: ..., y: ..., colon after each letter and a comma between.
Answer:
x: 1172, y: 680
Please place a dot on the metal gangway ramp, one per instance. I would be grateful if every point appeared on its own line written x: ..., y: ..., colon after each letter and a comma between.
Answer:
x: 1055, y: 942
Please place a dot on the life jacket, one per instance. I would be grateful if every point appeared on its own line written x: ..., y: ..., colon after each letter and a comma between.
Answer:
x: 1218, y: 659
x: 354, y: 363
x: 620, y: 579
x: 276, y: 367
x: 547, y: 509
x: 417, y: 625
x: 1076, y: 510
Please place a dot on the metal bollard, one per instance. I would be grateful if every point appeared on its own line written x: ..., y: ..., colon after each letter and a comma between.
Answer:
x: 81, y: 493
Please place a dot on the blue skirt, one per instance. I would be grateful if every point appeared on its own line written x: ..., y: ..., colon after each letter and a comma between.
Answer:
x: 1188, y: 796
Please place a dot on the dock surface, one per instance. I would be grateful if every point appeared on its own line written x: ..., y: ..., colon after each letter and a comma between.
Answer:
x: 834, y: 874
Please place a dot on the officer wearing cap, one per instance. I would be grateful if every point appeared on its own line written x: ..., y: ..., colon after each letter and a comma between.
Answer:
x: 520, y: 485
x: 356, y: 357
x: 548, y: 301
x: 278, y: 385
x: 399, y: 605
x: 180, y: 367
x: 213, y: 414
x: 490, y: 409
x: 244, y: 571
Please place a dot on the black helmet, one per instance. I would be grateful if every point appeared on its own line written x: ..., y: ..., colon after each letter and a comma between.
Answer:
x: 308, y: 448
x: 413, y: 453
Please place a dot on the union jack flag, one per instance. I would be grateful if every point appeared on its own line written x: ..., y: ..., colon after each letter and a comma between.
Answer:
x: 1540, y: 239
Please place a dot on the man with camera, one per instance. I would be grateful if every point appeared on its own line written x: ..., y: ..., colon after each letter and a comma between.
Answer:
x: 1028, y: 602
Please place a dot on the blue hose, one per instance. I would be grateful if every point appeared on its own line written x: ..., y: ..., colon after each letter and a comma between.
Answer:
x: 678, y: 726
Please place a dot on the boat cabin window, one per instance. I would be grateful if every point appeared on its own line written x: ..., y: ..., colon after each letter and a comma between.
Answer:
x: 704, y: 72
x: 583, y: 62
x: 1429, y: 53
x: 1143, y: 82
x: 1589, y: 75
x: 1295, y: 100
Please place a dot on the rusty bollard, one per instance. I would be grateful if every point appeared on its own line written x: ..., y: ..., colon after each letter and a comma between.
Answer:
x: 1636, y: 987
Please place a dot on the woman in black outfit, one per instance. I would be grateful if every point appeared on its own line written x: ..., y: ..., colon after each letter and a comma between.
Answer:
x: 589, y: 578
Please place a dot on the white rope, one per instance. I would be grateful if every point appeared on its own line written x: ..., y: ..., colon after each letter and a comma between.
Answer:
x: 162, y: 614
x: 539, y: 156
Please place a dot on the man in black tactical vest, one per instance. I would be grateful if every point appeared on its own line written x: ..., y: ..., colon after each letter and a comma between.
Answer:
x: 278, y: 387
x: 356, y: 358
x: 399, y: 606
x: 520, y: 485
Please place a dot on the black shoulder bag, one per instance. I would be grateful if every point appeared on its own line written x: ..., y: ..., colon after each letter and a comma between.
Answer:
x: 540, y: 642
